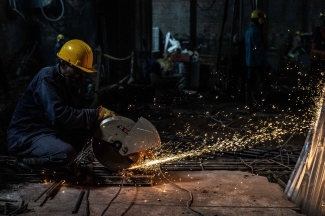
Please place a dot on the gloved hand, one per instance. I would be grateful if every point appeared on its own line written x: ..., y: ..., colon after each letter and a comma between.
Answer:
x: 104, y: 113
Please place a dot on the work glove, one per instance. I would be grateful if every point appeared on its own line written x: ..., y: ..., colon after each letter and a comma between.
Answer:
x: 104, y: 113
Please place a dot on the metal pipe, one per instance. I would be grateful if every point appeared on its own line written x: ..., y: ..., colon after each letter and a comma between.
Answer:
x: 240, y: 35
x: 49, y: 188
x: 224, y: 19
x: 53, y: 188
x: 99, y: 63
x: 6, y: 207
x: 87, y: 200
x: 76, y: 207
x: 193, y: 20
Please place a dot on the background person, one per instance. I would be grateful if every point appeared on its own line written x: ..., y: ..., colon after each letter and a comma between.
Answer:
x: 317, y: 53
x: 58, y: 45
x: 256, y: 61
x: 296, y: 46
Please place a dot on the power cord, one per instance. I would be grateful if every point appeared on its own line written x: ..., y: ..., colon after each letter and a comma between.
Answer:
x: 48, y: 18
x: 118, y: 192
x: 189, y: 202
x: 191, y: 195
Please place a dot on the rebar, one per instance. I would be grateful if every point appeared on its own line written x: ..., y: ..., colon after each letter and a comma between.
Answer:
x: 77, y: 205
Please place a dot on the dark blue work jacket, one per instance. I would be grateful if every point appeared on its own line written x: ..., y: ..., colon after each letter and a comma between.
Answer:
x: 48, y: 106
x: 255, y: 47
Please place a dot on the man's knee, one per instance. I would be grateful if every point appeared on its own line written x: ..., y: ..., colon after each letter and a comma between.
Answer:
x: 65, y: 157
x: 71, y: 155
x: 60, y: 159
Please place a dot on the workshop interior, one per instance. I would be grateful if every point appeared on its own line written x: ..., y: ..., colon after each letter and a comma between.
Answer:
x: 175, y: 74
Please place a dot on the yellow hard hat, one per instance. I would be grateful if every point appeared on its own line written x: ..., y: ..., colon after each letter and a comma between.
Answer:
x: 258, y: 14
x: 60, y: 37
x: 79, y: 54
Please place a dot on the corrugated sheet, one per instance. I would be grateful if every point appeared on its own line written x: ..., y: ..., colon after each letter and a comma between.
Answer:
x: 306, y: 185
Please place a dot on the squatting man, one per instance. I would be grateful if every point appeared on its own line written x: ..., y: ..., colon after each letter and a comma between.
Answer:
x: 50, y: 124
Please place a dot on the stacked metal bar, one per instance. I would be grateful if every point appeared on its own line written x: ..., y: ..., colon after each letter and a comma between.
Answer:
x: 305, y: 187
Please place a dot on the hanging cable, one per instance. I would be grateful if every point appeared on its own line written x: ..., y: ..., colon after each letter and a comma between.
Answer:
x: 49, y: 19
x: 13, y: 6
x: 208, y: 8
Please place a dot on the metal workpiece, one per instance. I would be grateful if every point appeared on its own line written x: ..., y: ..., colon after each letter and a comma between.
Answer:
x: 87, y: 202
x: 47, y: 190
x: 77, y: 205
x: 50, y: 191
x: 102, y: 176
x: 305, y: 186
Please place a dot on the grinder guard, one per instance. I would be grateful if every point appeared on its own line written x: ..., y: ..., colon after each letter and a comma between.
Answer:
x: 118, y: 142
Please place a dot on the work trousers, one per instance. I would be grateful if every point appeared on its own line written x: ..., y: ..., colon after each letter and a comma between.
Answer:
x: 53, y: 152
x: 257, y: 84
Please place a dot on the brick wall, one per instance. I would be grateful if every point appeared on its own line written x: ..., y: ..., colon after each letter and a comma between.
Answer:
x: 284, y: 17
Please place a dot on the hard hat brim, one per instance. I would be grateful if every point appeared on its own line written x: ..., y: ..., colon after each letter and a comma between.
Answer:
x: 87, y: 70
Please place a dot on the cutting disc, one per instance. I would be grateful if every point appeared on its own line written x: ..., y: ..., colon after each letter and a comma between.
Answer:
x: 108, y: 155
x: 107, y: 142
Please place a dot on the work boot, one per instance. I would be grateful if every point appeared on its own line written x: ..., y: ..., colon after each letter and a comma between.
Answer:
x: 249, y: 102
x: 31, y: 163
x: 23, y: 167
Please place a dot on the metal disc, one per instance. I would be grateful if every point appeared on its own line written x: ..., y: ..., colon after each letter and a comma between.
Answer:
x: 108, y: 155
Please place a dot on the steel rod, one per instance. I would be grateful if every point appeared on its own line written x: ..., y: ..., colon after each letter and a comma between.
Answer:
x: 49, y: 188
x: 76, y: 207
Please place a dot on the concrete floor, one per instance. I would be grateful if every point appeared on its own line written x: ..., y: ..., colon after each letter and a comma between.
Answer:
x: 214, y: 193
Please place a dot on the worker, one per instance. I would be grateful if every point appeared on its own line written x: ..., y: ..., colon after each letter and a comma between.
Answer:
x: 58, y: 45
x: 50, y: 125
x: 317, y: 53
x: 256, y: 61
x: 296, y: 47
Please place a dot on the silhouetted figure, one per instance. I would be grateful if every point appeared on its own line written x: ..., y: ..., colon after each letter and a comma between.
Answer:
x: 317, y: 53
x: 59, y: 43
x: 255, y: 59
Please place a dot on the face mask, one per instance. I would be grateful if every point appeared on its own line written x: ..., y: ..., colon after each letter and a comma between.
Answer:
x: 73, y: 82
x: 76, y: 83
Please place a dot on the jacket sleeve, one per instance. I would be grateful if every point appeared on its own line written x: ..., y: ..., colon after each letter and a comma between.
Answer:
x: 58, y: 113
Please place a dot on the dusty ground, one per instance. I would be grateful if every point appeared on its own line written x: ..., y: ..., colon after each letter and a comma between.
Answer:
x: 214, y: 193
